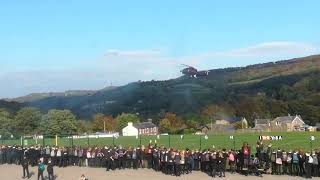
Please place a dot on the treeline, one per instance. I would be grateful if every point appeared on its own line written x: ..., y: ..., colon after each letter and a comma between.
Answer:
x: 29, y: 121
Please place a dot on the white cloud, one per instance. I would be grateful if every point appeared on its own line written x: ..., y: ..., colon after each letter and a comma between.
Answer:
x: 144, y: 53
x: 262, y: 50
x: 271, y: 49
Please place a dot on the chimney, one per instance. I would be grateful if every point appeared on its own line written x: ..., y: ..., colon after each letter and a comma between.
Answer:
x: 130, y: 124
x: 150, y: 120
x: 289, y: 115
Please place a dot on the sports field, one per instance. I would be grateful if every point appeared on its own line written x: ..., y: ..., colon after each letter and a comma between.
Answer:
x: 290, y: 141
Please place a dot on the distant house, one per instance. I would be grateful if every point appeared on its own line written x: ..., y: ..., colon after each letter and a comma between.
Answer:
x: 263, y: 124
x: 130, y: 130
x: 226, y: 124
x: 283, y: 123
x: 244, y: 123
x: 147, y: 128
x: 144, y: 128
x: 227, y: 121
x: 288, y: 123
x: 222, y: 122
x: 203, y: 129
x: 317, y: 126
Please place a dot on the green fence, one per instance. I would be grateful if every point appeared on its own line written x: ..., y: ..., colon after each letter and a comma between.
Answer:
x: 294, y: 140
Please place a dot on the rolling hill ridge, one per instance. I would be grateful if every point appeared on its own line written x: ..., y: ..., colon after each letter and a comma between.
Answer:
x: 260, y: 90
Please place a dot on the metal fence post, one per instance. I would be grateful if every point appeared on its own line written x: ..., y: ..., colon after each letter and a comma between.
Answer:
x: 113, y: 140
x: 169, y: 141
x: 71, y: 140
x: 88, y: 140
x: 200, y: 141
x: 43, y: 141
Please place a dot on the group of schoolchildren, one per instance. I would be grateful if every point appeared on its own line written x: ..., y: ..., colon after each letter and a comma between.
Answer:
x: 169, y: 161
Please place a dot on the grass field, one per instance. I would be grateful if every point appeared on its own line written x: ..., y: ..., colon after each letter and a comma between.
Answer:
x: 292, y: 140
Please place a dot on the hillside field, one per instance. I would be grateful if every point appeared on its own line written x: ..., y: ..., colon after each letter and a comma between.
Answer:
x: 290, y: 141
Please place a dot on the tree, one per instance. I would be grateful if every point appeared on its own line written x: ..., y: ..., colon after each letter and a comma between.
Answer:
x: 165, y: 126
x: 84, y: 126
x: 5, y: 124
x: 171, y: 123
x: 123, y: 119
x: 101, y: 121
x: 174, y: 120
x: 27, y: 121
x: 57, y: 122
x: 211, y: 110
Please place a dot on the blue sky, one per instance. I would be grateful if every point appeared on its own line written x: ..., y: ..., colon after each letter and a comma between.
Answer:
x: 57, y: 45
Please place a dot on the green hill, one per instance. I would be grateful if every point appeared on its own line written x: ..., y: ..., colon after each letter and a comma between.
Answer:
x: 10, y: 106
x: 261, y: 90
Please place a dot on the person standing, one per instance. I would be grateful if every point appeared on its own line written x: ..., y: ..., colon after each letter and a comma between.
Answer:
x: 25, y: 167
x: 41, y: 168
x: 289, y: 163
x: 315, y: 165
x: 134, y: 159
x: 196, y: 160
x: 232, y: 161
x: 246, y: 154
x: 279, y: 162
x: 176, y: 163
x: 221, y: 164
x: 50, y: 169
x: 295, y: 164
x: 213, y: 164
x: 308, y: 165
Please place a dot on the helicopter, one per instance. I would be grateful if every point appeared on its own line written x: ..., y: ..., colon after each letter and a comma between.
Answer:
x: 193, y: 72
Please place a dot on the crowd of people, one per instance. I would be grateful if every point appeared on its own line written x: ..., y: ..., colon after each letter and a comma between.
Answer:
x: 170, y: 161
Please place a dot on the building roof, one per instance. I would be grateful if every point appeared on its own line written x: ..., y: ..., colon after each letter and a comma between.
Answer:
x: 200, y: 127
x: 262, y: 121
x: 144, y: 125
x: 261, y: 126
x: 286, y: 118
x: 229, y: 119
x: 222, y: 128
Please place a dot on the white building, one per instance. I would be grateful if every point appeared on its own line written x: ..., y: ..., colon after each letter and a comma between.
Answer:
x: 144, y: 128
x: 130, y: 130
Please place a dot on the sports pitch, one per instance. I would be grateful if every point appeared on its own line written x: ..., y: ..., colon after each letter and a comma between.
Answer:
x: 290, y: 141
